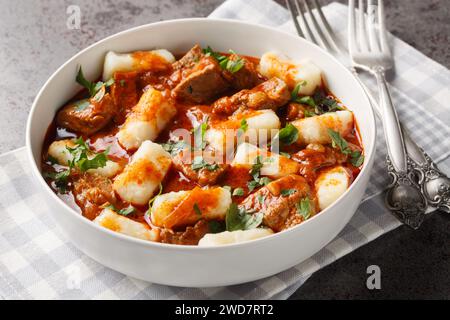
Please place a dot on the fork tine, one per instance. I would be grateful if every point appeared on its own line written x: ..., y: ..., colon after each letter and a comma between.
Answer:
x: 382, y: 27
x: 362, y: 30
x: 371, y: 27
x: 307, y: 31
x: 331, y: 36
x: 294, y: 19
x: 321, y: 37
x: 351, y: 27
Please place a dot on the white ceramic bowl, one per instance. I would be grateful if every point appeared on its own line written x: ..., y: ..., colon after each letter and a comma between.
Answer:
x: 193, y: 266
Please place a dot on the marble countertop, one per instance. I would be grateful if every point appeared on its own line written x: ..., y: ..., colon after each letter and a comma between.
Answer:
x: 35, y: 41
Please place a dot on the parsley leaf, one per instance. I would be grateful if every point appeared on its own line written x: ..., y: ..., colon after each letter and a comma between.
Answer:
x: 197, y: 210
x: 225, y: 63
x: 356, y: 157
x: 238, y: 192
x: 61, y: 179
x: 287, y: 135
x: 92, y: 87
x: 234, y: 65
x: 81, y: 105
x: 255, y: 172
x: 304, y: 208
x: 216, y: 226
x: 199, y: 135
x: 261, y: 198
x: 199, y: 163
x: 123, y: 212
x: 287, y: 192
x: 174, y: 147
x: 80, y: 157
x: 238, y: 219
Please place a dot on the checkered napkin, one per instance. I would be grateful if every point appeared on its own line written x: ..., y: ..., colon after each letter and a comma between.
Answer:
x: 38, y: 262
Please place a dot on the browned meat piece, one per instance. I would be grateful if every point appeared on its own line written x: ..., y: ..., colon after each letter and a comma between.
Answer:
x: 198, y: 77
x: 91, y: 191
x: 317, y: 156
x: 245, y: 78
x: 124, y: 94
x: 278, y: 209
x: 190, y: 59
x: 87, y: 117
x: 270, y: 94
x: 191, y: 166
x: 295, y: 111
x: 191, y: 236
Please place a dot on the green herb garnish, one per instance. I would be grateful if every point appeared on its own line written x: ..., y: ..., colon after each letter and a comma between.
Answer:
x: 124, y: 211
x: 225, y: 63
x: 174, y: 147
x: 197, y: 210
x: 238, y: 219
x: 199, y: 163
x: 238, y: 192
x: 356, y: 157
x: 255, y: 172
x: 287, y: 192
x: 199, y: 135
x: 304, y: 208
x: 92, y: 87
x: 61, y: 179
x: 80, y: 157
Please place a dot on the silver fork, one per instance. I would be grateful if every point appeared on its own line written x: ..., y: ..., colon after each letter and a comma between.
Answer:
x: 436, y: 184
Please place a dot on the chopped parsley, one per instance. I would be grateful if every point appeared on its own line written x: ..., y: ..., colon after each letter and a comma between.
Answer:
x: 356, y: 157
x: 319, y: 101
x: 199, y: 135
x: 61, y: 179
x: 124, y: 211
x: 238, y: 219
x: 80, y: 157
x: 82, y: 104
x: 92, y: 87
x: 261, y: 198
x: 216, y: 226
x: 225, y: 63
x: 174, y: 147
x: 197, y: 210
x: 238, y: 192
x: 255, y: 172
x: 304, y: 208
x: 287, y: 192
x: 199, y: 163
x: 287, y: 135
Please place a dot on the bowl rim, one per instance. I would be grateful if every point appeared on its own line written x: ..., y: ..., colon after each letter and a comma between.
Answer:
x: 369, y: 154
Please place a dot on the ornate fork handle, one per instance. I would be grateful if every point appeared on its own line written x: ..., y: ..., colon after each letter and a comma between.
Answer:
x: 404, y: 197
x: 435, y: 185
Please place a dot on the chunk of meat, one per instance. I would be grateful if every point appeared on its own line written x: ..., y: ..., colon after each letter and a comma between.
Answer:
x: 87, y: 116
x: 199, y: 77
x: 91, y: 192
x: 277, y: 205
x: 316, y: 156
x: 295, y: 111
x: 270, y: 94
x: 124, y: 94
x: 191, y: 236
x: 246, y: 77
x: 208, y: 174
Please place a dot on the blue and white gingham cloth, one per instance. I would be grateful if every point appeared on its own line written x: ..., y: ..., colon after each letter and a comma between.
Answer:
x: 38, y: 262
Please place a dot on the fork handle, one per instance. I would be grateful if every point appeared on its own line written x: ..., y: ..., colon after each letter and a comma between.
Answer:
x: 412, y: 149
x: 392, y: 129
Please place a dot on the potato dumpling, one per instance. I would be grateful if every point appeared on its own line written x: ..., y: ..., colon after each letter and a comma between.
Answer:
x: 262, y: 125
x: 274, y: 165
x: 147, y: 119
x: 58, y: 150
x: 227, y: 237
x: 315, y: 129
x: 331, y: 184
x: 183, y: 208
x: 136, y: 61
x: 142, y: 176
x: 273, y: 64
x: 118, y: 223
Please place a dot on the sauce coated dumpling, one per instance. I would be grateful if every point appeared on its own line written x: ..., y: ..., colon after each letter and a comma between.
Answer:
x: 142, y: 176
x: 273, y: 64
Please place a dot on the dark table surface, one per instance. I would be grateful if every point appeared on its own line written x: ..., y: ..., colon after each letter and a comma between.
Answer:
x: 34, y: 42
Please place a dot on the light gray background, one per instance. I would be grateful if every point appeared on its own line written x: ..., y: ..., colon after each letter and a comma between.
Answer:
x: 34, y: 42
